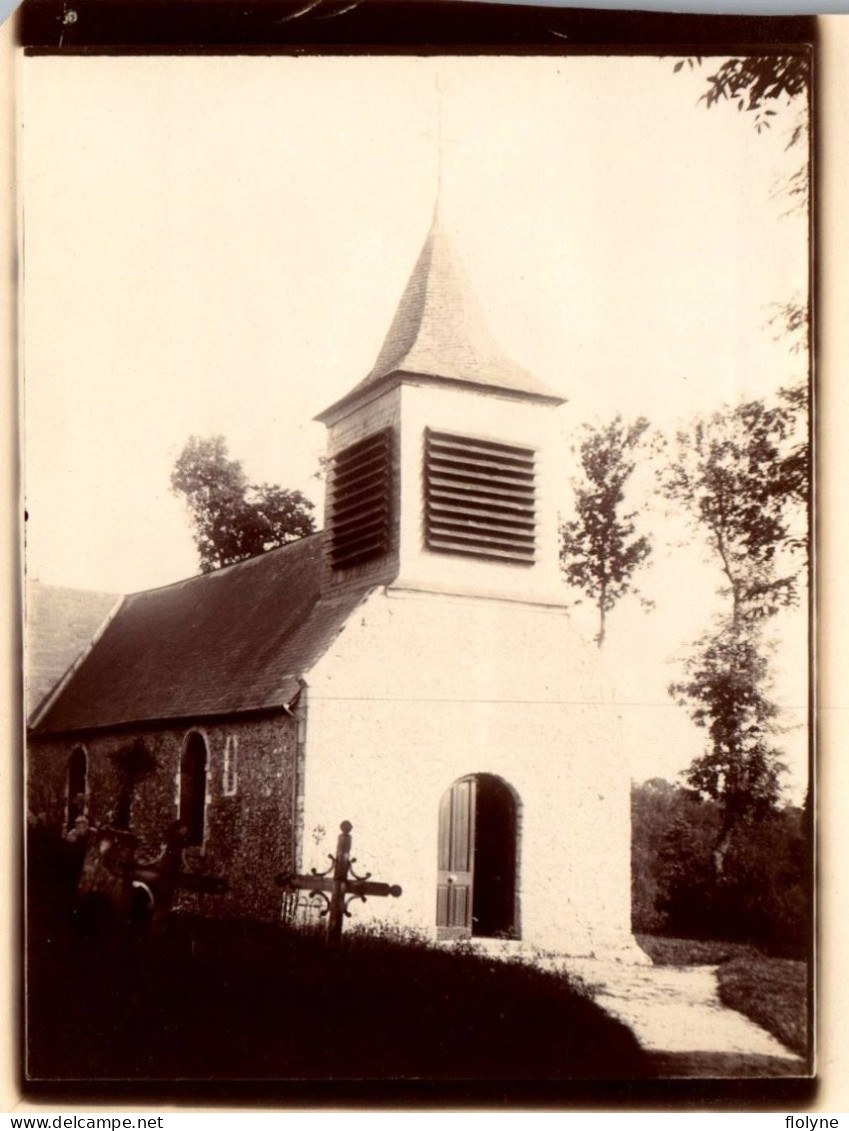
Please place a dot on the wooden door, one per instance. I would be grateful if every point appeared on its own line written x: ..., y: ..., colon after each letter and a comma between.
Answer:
x: 454, y: 892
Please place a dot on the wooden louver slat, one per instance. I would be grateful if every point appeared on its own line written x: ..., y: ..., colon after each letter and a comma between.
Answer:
x: 482, y: 486
x: 454, y: 547
x: 487, y: 532
x: 443, y: 441
x: 483, y: 514
x: 480, y: 497
x: 521, y: 469
x: 359, y: 504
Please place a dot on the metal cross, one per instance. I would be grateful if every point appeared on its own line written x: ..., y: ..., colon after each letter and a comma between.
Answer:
x: 338, y: 885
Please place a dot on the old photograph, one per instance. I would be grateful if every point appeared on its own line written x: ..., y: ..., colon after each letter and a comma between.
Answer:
x: 416, y: 610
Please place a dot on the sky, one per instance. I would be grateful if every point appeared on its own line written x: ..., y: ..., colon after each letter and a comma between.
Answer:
x: 218, y: 245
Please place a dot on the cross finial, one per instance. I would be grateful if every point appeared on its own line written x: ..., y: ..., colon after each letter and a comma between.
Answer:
x: 438, y: 199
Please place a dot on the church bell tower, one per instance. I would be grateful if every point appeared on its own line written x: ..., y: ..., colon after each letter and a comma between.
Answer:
x: 441, y: 470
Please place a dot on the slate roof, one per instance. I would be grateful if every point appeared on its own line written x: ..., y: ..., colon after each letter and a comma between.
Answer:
x: 439, y: 331
x: 60, y: 623
x: 237, y: 639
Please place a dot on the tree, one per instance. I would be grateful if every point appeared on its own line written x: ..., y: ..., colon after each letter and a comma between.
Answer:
x: 759, y: 83
x: 655, y: 805
x: 740, y: 475
x: 740, y: 479
x: 743, y: 477
x: 599, y: 551
x: 762, y: 85
x: 726, y: 689
x: 763, y: 895
x: 232, y: 518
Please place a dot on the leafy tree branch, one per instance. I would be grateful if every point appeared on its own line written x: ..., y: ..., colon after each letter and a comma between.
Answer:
x: 740, y: 476
x: 726, y: 690
x: 765, y: 86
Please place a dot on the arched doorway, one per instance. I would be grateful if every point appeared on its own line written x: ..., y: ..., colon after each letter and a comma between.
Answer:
x: 476, y: 885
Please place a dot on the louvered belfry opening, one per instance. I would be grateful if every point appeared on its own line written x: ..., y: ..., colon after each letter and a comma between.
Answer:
x: 360, y: 501
x: 480, y: 497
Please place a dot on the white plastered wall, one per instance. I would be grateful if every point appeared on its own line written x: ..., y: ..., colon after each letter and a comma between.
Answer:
x: 422, y: 689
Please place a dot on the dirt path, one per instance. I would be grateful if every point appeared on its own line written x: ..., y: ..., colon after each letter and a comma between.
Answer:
x: 677, y: 1017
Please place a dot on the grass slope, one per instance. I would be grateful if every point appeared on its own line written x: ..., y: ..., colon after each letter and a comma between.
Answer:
x: 229, y: 1002
x: 692, y: 952
x: 773, y: 992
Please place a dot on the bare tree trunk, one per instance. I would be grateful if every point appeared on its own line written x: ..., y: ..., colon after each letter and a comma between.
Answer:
x: 720, y: 849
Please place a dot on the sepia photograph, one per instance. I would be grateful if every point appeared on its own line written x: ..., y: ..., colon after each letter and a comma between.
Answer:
x: 416, y: 612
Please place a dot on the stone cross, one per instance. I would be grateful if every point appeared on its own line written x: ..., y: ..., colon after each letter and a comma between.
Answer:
x: 339, y: 885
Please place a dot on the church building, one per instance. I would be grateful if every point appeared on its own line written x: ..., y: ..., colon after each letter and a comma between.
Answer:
x: 411, y: 669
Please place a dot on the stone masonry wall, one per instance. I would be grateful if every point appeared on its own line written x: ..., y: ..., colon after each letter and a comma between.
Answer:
x: 250, y: 802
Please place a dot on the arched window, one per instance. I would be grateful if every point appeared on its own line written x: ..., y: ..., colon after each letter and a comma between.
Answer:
x: 193, y: 788
x: 77, y: 785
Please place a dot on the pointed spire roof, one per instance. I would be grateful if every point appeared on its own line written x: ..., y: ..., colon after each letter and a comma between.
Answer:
x: 439, y: 332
